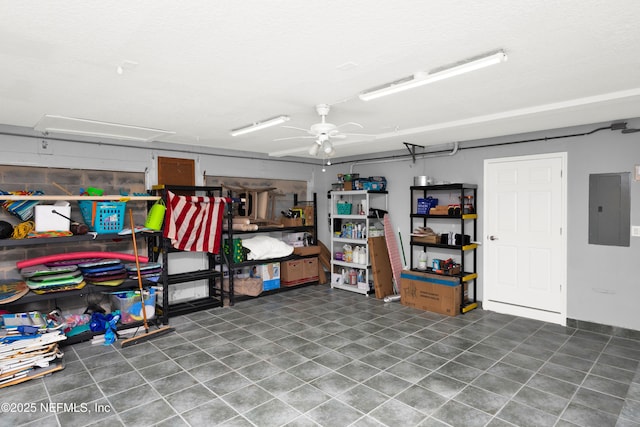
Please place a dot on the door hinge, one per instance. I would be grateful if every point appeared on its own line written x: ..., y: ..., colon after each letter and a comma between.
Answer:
x: 561, y: 231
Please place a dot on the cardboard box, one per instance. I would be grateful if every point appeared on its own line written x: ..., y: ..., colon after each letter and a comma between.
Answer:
x: 269, y: 273
x: 32, y: 318
x: 291, y: 222
x: 307, y: 250
x: 307, y: 212
x: 291, y: 273
x: 431, y: 292
x: 439, y: 210
x: 47, y: 220
x: 299, y: 271
x: 427, y: 238
x: 251, y: 286
x: 268, y: 285
x: 310, y: 269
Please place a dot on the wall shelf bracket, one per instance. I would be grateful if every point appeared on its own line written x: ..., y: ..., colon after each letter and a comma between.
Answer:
x: 412, y: 149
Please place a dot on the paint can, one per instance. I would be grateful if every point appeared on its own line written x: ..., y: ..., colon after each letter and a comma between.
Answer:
x: 421, y: 181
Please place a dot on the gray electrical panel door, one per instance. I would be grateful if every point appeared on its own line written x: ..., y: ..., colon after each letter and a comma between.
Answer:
x: 609, y: 209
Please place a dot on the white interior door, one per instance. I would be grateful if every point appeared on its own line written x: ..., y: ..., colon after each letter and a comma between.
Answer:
x: 525, y: 236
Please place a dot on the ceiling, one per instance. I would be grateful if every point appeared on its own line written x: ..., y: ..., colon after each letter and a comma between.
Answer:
x: 200, y: 68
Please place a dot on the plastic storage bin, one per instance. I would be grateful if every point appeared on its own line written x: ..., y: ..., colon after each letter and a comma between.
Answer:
x: 103, y: 217
x: 343, y: 208
x: 130, y: 305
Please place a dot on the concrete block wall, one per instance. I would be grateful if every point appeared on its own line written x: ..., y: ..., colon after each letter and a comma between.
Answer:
x: 17, y: 178
x: 27, y: 178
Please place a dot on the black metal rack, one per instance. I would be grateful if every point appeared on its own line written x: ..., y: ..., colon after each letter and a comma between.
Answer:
x: 31, y: 297
x: 467, y: 272
x: 160, y: 247
x: 313, y: 229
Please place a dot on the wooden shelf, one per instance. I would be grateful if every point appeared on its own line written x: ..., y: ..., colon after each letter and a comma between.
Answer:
x: 91, y: 236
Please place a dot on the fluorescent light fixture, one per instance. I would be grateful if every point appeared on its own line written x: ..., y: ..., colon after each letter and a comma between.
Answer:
x: 422, y: 78
x: 260, y: 125
x: 94, y: 128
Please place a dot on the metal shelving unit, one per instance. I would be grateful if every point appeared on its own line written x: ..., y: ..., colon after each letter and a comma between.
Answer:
x: 32, y: 297
x: 231, y: 234
x: 466, y: 253
x: 160, y: 249
x: 339, y: 221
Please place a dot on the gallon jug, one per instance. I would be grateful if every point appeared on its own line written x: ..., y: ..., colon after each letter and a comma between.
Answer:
x: 422, y: 261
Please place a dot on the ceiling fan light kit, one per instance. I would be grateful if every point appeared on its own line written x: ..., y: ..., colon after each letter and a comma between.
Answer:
x: 327, y: 148
x: 423, y: 78
x: 260, y: 125
x: 314, y: 149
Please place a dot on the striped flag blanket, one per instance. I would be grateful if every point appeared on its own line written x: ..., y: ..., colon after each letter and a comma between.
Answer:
x: 194, y: 223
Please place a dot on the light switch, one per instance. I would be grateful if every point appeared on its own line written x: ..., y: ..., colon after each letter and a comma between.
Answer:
x: 635, y: 230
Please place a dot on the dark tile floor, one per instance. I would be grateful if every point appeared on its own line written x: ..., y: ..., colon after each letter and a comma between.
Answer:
x: 320, y: 357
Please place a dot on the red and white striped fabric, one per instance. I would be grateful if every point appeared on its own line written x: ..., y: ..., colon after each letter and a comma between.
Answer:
x: 194, y: 223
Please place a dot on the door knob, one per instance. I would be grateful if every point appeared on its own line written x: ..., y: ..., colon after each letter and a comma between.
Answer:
x: 493, y: 238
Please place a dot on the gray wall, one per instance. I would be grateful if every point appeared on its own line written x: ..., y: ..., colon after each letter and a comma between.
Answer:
x: 602, y: 281
x: 603, y: 284
x: 142, y: 157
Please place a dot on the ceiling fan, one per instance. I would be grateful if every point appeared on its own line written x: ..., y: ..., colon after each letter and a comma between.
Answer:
x: 323, y: 133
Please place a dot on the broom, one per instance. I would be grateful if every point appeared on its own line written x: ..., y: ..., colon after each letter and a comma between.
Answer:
x: 147, y: 334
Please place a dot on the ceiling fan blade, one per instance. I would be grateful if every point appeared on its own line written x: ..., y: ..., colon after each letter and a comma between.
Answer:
x: 351, y: 124
x: 294, y: 137
x: 358, y: 134
x: 296, y: 128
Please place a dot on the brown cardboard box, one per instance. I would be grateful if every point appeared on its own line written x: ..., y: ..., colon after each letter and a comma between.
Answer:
x: 307, y: 250
x: 431, y: 292
x: 429, y: 238
x: 291, y: 222
x: 251, y: 286
x: 299, y: 271
x: 291, y: 272
x: 307, y: 211
x: 439, y: 210
x: 310, y: 269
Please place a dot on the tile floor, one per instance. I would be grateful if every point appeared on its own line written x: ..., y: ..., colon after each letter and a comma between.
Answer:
x: 320, y: 357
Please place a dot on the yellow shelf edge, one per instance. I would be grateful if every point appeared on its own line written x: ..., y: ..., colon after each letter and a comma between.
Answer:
x: 469, y: 277
x: 469, y: 307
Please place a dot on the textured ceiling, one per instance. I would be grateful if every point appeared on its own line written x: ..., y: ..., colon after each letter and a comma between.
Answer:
x: 201, y: 68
